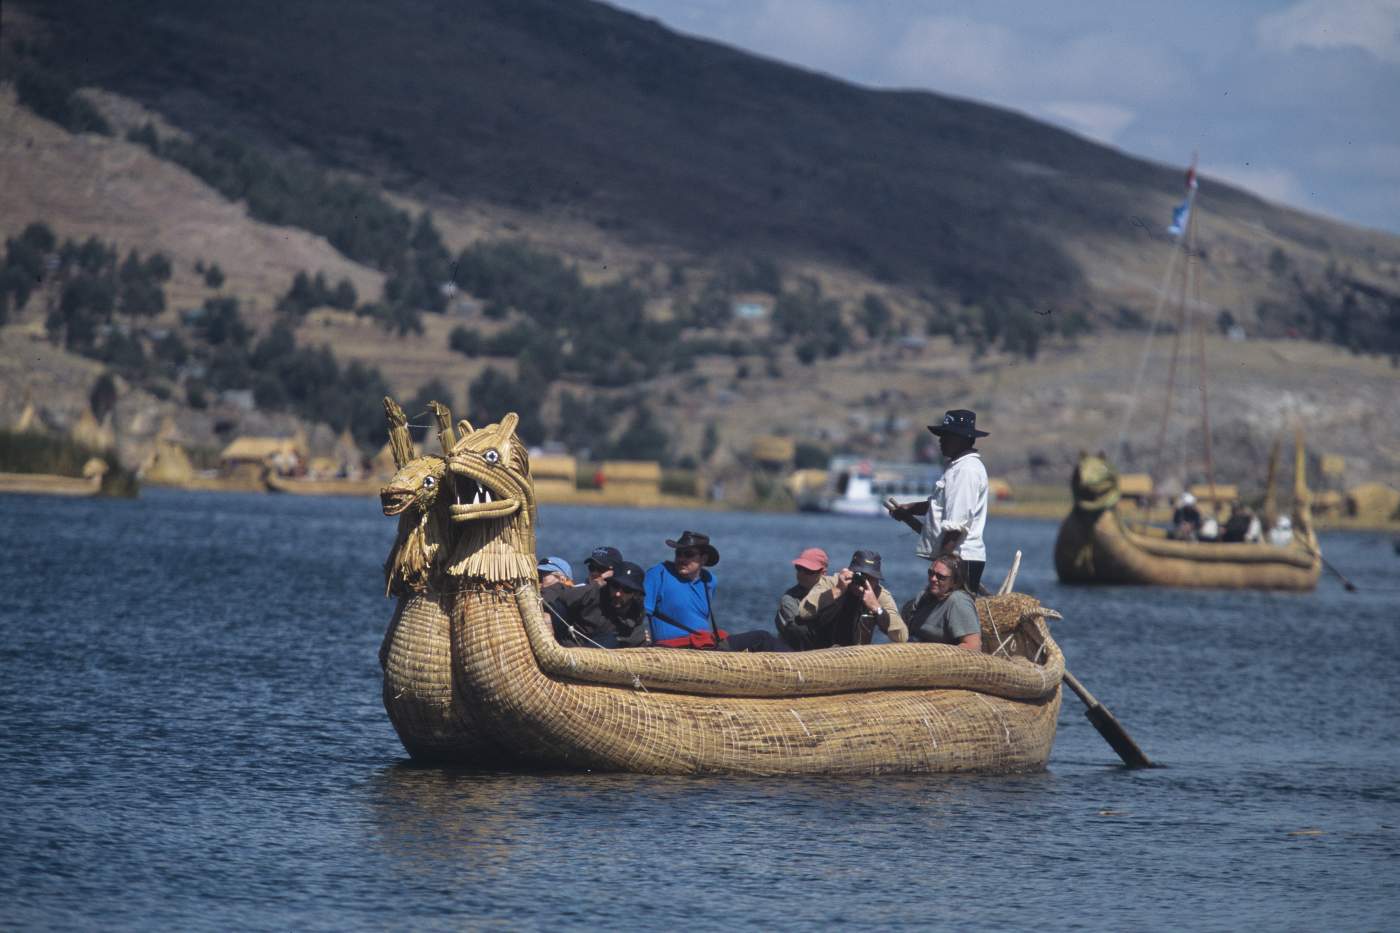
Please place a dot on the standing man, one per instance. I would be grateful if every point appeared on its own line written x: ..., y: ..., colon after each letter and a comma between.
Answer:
x: 957, y: 510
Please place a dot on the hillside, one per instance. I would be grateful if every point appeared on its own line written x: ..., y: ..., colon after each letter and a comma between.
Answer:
x: 681, y: 174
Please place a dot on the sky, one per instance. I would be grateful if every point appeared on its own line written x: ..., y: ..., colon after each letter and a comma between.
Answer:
x: 1295, y: 100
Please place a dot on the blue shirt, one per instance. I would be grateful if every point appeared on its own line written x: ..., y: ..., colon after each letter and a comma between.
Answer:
x: 686, y: 601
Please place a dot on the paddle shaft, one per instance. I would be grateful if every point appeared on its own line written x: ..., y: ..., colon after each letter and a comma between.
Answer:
x: 1350, y: 587
x: 1108, y: 725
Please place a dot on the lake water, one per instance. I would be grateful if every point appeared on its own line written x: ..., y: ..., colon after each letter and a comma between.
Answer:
x: 194, y: 739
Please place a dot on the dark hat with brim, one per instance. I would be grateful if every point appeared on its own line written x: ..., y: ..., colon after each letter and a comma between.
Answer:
x: 866, y: 562
x: 628, y: 576
x: 959, y: 422
x: 689, y: 539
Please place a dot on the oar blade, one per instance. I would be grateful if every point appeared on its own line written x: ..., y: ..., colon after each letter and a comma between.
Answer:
x: 1114, y: 733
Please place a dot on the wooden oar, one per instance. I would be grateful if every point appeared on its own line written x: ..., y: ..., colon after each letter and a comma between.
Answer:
x: 1350, y: 587
x: 1108, y: 725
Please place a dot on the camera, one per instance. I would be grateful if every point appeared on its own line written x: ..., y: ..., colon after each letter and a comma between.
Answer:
x: 859, y: 580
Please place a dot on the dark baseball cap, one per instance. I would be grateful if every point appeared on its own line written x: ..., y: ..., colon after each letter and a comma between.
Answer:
x: 606, y: 557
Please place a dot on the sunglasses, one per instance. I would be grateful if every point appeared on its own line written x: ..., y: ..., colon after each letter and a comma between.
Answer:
x: 688, y: 553
x: 941, y: 576
x: 619, y: 588
x: 805, y: 570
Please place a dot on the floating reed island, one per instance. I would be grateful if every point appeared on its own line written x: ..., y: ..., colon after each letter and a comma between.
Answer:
x: 474, y: 676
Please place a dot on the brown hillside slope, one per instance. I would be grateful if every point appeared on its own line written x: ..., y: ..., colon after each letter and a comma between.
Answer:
x: 87, y: 185
x: 574, y: 110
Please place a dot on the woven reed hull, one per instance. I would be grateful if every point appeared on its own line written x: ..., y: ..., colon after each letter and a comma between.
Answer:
x: 47, y: 484
x: 418, y: 691
x: 1094, y: 547
x: 322, y: 487
x: 555, y: 721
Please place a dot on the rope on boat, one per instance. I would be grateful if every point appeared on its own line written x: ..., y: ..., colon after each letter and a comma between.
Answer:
x: 576, y: 634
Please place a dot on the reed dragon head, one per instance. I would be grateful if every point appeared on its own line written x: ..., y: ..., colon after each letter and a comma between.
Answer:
x: 493, y: 505
x: 1095, y: 483
x: 415, y: 495
x: 416, y: 486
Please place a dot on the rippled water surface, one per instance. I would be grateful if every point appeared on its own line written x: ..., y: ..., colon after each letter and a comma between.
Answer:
x: 194, y: 739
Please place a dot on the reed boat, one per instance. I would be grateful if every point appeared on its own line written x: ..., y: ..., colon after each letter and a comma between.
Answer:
x: 474, y: 676
x: 49, y: 484
x: 1094, y: 545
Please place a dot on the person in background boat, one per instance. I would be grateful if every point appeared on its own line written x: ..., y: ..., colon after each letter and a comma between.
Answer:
x: 1186, y: 520
x: 846, y: 607
x: 1281, y: 535
x: 1242, y: 525
x: 600, y: 563
x: 957, y: 510
x: 944, y: 612
x: 680, y: 597
x: 1210, y: 529
x: 809, y: 566
x: 610, y: 615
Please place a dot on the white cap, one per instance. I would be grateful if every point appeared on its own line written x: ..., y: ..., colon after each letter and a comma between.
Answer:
x: 1187, y: 499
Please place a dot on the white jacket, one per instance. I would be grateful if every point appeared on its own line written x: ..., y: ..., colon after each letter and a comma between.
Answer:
x: 958, y: 503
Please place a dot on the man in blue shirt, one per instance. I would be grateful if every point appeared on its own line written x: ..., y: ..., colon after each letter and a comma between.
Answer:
x: 680, y: 601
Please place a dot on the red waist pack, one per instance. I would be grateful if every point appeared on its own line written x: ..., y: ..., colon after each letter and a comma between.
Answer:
x: 702, y: 640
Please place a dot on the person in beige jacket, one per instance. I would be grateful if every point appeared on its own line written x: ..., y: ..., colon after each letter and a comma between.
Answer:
x: 846, y: 607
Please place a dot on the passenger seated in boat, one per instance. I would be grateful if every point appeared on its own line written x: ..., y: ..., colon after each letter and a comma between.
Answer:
x: 600, y: 563
x: 555, y: 571
x: 555, y: 574
x: 1210, y: 529
x: 846, y: 607
x: 606, y: 616
x: 1241, y: 526
x: 944, y: 612
x: 1186, y: 520
x: 680, y: 601
x: 1281, y: 535
x: 809, y: 566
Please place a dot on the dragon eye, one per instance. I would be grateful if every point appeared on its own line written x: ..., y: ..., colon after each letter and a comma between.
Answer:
x: 429, y: 482
x: 491, y: 456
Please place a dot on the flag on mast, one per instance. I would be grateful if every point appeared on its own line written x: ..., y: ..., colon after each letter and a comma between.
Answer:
x: 1181, y: 214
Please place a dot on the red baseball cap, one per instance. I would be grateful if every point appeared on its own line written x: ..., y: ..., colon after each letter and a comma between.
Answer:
x: 814, y: 558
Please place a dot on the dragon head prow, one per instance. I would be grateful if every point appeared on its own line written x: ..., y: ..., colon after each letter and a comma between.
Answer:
x: 1095, y: 483
x: 491, y: 469
x: 416, y: 484
x: 494, y: 504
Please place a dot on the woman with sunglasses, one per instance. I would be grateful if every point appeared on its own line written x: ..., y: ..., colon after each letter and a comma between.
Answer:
x: 944, y: 612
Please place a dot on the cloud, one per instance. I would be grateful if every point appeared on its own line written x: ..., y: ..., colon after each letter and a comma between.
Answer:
x: 824, y: 34
x: 1273, y: 184
x: 1098, y: 121
x: 1378, y: 159
x: 956, y: 54
x: 1370, y: 25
